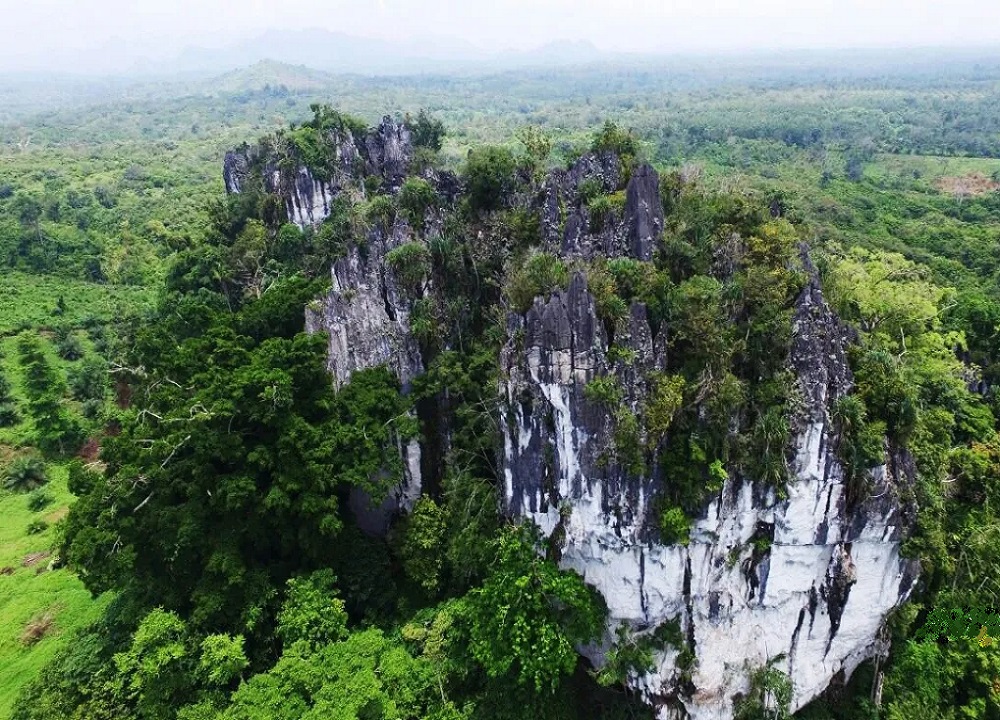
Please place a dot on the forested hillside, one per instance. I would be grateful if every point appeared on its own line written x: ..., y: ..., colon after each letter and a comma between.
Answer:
x: 367, y: 520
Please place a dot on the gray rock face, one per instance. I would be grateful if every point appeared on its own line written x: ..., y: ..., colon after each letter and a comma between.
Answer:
x: 554, y: 351
x: 803, y: 581
x: 644, y: 211
x: 568, y: 227
x: 366, y: 316
x: 367, y: 312
x: 811, y: 601
x: 389, y: 150
x: 236, y: 168
x: 385, y: 152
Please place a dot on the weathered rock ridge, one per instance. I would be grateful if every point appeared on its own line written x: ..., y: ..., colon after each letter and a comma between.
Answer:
x: 385, y: 152
x: 809, y: 597
x: 802, y: 582
x: 366, y: 312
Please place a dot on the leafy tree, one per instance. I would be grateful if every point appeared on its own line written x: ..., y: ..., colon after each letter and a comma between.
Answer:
x: 166, y: 667
x: 957, y: 680
x: 613, y: 138
x: 57, y: 429
x: 427, y: 131
x: 224, y: 480
x: 527, y: 618
x: 155, y: 671
x: 365, y: 676
x: 422, y: 542
x: 472, y: 521
x: 489, y: 176
x: 312, y: 614
x: 886, y: 292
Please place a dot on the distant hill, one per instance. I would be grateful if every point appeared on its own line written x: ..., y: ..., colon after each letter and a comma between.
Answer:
x: 342, y: 53
x: 268, y: 73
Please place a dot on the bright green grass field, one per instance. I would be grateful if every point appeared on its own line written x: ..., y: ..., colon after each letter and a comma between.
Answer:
x: 28, y: 300
x: 28, y: 594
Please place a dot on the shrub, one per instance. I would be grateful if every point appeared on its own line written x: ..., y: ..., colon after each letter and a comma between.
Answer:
x: 630, y: 656
x: 89, y: 381
x: 39, y: 500
x: 599, y: 209
x: 627, y: 439
x: 411, y: 263
x: 416, y: 197
x: 675, y: 527
x: 91, y: 409
x: 36, y: 527
x: 611, y: 307
x: 8, y: 415
x: 381, y: 209
x: 634, y: 279
x: 372, y: 185
x: 769, y: 696
x: 769, y: 440
x: 590, y: 189
x: 25, y: 473
x: 489, y: 176
x: 541, y: 274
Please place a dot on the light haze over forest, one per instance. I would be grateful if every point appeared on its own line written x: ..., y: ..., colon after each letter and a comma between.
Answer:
x: 120, y: 37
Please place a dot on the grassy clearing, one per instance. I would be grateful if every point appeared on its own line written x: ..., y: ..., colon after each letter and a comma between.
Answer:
x: 934, y: 166
x: 51, y: 602
x: 29, y: 590
x: 29, y: 301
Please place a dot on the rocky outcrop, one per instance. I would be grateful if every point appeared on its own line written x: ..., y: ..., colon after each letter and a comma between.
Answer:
x: 389, y: 151
x: 644, y: 211
x: 570, y: 228
x: 384, y: 152
x: 366, y: 313
x: 803, y: 582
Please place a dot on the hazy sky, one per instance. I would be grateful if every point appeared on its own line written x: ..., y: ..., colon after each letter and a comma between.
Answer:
x: 52, y: 29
